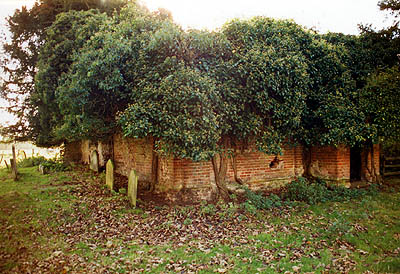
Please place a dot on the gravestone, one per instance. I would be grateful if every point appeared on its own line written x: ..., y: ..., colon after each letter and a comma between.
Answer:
x: 132, y: 187
x: 42, y: 169
x: 94, y: 161
x: 110, y: 174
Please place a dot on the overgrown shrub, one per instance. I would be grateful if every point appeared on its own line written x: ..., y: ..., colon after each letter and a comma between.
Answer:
x: 258, y: 201
x: 31, y: 161
x: 318, y: 191
x: 391, y: 149
x: 303, y: 190
x: 55, y: 165
x: 48, y: 164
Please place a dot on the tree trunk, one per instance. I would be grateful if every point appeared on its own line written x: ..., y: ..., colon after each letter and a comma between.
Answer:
x: 234, y: 167
x: 371, y: 169
x: 154, y: 168
x: 376, y: 178
x: 307, y: 161
x: 366, y: 154
x: 220, y: 167
x: 14, y: 164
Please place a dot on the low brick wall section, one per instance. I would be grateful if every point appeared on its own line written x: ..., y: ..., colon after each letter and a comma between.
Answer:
x: 330, y: 163
x: 257, y: 170
x: 72, y: 152
x: 104, y: 150
x: 133, y: 154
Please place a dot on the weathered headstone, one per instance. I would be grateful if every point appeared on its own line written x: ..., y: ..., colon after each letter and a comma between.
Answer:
x: 132, y: 187
x: 94, y: 161
x: 110, y: 174
x: 42, y: 169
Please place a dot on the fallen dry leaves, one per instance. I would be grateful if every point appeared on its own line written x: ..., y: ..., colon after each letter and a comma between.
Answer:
x: 107, y: 227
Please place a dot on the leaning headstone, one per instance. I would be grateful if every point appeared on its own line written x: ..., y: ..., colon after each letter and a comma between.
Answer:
x: 94, y: 161
x: 110, y: 174
x: 42, y: 169
x: 132, y: 187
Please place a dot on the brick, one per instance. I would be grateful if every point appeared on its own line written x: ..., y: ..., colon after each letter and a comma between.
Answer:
x: 254, y: 167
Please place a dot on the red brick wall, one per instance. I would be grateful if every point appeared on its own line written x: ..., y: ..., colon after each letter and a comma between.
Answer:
x: 330, y: 163
x: 177, y: 174
x: 133, y: 154
x: 72, y: 152
x: 103, y: 148
x: 191, y: 174
x: 253, y: 168
x: 298, y: 161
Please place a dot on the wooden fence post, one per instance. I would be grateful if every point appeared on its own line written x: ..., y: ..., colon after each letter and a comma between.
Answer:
x: 14, y: 164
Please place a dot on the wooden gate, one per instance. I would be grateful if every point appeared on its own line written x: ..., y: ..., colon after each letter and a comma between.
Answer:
x: 391, y: 166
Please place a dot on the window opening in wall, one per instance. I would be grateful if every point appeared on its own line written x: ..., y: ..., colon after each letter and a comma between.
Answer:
x: 276, y: 163
x: 355, y: 164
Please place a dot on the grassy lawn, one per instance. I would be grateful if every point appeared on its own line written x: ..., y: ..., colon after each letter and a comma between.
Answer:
x: 68, y: 222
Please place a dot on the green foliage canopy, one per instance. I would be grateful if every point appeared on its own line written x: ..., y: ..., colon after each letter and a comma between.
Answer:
x: 198, y: 93
x: 65, y: 37
x: 19, y: 58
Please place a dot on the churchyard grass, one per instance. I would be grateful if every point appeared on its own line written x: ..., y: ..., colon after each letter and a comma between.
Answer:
x: 68, y: 221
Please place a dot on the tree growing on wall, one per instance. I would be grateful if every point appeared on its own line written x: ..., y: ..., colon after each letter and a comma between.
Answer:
x: 19, y: 57
x: 380, y: 99
x: 380, y: 92
x: 198, y: 94
x: 105, y: 72
x: 64, y: 39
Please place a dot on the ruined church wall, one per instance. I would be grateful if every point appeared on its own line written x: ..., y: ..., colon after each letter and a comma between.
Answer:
x: 133, y: 154
x: 264, y: 171
x: 253, y: 168
x: 104, y: 150
x: 257, y: 170
x: 72, y: 152
x: 331, y: 163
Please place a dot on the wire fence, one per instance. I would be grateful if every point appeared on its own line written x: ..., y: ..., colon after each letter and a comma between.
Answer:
x: 25, y: 150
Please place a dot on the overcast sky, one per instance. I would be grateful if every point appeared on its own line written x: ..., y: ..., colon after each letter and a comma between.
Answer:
x: 322, y: 15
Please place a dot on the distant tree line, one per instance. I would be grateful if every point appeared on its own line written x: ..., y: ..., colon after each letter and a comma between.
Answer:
x: 87, y: 71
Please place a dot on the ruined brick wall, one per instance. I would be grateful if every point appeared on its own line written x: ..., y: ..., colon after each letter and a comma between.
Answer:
x: 253, y: 168
x: 105, y: 152
x: 330, y: 163
x: 365, y: 166
x: 72, y: 152
x: 257, y: 170
x: 133, y: 154
x: 195, y: 178
x: 175, y: 175
x: 262, y: 171
x: 85, y: 148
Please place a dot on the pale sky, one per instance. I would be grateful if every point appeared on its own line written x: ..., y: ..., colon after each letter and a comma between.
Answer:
x: 322, y: 15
